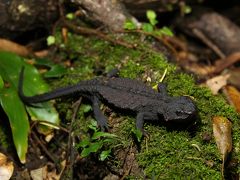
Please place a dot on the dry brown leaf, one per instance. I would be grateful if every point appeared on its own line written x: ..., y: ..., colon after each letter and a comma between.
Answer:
x: 216, y: 83
x: 222, y: 131
x: 43, y: 173
x: 42, y: 53
x: 6, y: 167
x: 233, y: 96
x: 10, y: 46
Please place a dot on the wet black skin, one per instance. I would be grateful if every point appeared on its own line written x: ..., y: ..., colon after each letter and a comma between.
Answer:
x: 124, y: 94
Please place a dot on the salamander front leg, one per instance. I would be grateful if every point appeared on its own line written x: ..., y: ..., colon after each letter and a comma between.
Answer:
x: 162, y: 88
x: 140, y: 123
x: 101, y: 119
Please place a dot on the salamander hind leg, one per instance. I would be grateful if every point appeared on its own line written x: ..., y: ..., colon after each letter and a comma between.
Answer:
x: 101, y: 119
x: 140, y: 123
x: 162, y: 88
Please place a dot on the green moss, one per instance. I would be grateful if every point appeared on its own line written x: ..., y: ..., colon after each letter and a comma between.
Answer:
x: 168, y: 154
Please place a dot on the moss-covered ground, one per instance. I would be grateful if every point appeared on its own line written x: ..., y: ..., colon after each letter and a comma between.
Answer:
x: 168, y: 153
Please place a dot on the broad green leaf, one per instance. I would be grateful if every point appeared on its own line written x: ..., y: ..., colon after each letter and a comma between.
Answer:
x: 93, y: 125
x: 1, y: 82
x: 166, y: 31
x: 86, y: 108
x: 129, y: 25
x: 10, y: 65
x: 56, y: 71
x: 104, y: 155
x: 147, y: 27
x: 85, y: 152
x: 84, y: 143
x: 94, y: 147
x: 18, y: 119
x: 44, y: 62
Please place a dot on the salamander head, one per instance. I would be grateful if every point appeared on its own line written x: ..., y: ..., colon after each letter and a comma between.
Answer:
x: 179, y: 109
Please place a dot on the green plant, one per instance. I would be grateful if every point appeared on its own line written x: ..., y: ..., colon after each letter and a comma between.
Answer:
x: 97, y: 142
x: 10, y: 66
x: 149, y: 27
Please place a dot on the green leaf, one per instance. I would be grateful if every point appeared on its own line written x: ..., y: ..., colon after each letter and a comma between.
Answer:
x: 84, y: 143
x: 44, y: 62
x: 50, y: 40
x: 151, y: 15
x: 85, y: 152
x: 18, y: 119
x: 166, y: 31
x: 33, y: 84
x: 104, y: 155
x: 1, y: 82
x: 10, y: 65
x: 93, y: 125
x: 108, y: 140
x: 129, y: 25
x: 99, y: 134
x: 56, y: 71
x: 70, y: 16
x: 93, y: 147
x: 86, y: 108
x: 147, y: 27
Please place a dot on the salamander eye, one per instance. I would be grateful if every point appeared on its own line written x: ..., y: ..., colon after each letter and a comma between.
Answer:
x: 181, y: 113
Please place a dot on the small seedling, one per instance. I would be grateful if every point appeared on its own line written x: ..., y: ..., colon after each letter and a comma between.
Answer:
x: 97, y: 142
x: 150, y: 26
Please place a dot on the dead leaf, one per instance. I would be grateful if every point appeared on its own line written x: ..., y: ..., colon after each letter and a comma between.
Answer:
x: 233, y: 96
x: 42, y: 53
x: 11, y: 46
x: 43, y: 173
x: 6, y: 167
x: 222, y: 131
x: 216, y: 83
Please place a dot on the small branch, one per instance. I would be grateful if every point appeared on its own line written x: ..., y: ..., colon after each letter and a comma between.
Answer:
x: 99, y: 34
x: 70, y: 150
x: 209, y: 43
x: 226, y: 62
x: 49, y: 155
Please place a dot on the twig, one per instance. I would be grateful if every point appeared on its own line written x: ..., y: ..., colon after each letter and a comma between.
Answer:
x: 226, y: 62
x: 209, y: 43
x: 101, y: 35
x: 70, y: 151
x: 50, y: 156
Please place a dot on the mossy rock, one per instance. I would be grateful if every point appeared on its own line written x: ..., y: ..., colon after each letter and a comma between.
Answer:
x: 169, y: 153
